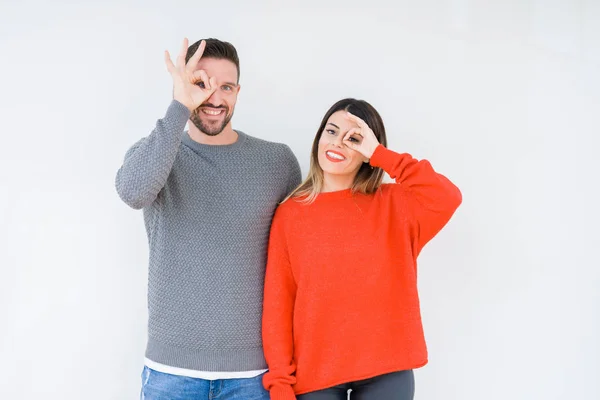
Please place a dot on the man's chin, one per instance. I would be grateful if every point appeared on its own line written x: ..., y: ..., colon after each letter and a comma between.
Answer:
x: 215, y: 128
x: 211, y: 129
x: 212, y: 133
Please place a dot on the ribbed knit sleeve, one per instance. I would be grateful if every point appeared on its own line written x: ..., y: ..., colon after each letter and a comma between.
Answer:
x: 432, y: 198
x: 148, y: 163
x: 278, y: 306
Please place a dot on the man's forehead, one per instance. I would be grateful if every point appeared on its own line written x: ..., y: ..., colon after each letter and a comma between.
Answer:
x: 219, y: 68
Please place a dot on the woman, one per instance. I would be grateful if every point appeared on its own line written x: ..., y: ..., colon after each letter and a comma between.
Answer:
x: 341, y: 308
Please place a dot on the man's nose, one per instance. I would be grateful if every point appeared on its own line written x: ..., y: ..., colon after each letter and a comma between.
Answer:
x: 215, y: 99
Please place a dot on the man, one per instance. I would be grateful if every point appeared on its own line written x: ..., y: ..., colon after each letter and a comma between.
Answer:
x: 208, y: 197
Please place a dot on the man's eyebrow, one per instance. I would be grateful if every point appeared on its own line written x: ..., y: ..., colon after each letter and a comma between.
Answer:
x: 331, y: 123
x: 230, y: 84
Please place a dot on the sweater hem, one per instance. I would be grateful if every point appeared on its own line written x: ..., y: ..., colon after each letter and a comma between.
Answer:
x: 218, y: 360
x: 361, y: 377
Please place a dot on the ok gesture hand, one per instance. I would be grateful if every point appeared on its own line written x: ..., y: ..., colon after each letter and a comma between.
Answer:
x: 190, y: 87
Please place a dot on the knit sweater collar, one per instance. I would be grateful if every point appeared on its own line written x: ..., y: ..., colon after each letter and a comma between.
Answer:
x: 209, y: 148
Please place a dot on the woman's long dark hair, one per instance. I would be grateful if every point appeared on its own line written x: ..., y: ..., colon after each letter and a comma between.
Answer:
x: 367, y: 179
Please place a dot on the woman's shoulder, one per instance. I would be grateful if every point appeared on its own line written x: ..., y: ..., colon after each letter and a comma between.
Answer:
x: 290, y: 206
x: 391, y: 191
x: 288, y: 213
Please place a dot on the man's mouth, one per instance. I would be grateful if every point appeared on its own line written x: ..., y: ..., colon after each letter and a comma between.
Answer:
x: 213, y: 112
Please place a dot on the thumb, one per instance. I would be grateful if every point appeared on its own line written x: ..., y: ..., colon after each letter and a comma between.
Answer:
x: 353, y: 145
x: 212, y: 86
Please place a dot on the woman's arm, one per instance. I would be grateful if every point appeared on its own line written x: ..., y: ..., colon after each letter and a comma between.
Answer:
x: 278, y: 308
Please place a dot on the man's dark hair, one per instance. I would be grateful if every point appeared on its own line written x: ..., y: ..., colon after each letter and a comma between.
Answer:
x: 218, y: 49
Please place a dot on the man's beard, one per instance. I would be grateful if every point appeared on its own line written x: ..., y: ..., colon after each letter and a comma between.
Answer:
x: 211, y: 129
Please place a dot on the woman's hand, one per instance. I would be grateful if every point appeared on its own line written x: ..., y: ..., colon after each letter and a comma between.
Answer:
x: 362, y: 138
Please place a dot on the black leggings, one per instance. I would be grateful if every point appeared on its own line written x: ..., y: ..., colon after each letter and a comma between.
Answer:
x: 395, y: 386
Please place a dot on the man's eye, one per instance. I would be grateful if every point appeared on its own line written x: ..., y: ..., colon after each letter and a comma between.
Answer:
x: 201, y: 85
x: 226, y: 88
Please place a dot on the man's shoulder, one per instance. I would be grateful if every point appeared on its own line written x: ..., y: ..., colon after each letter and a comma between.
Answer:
x: 267, y: 144
x: 266, y: 148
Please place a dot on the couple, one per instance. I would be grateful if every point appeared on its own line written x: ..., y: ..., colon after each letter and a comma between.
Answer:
x: 260, y: 285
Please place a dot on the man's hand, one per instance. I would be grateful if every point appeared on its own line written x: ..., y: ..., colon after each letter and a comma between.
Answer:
x: 190, y: 87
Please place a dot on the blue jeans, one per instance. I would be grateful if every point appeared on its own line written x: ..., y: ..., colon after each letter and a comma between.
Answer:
x: 160, y: 386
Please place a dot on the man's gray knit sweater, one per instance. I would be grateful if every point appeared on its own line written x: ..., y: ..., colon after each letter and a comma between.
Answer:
x: 207, y: 212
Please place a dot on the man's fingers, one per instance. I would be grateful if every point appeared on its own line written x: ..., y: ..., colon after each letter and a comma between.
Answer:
x: 213, y: 84
x: 182, y: 53
x: 184, y: 47
x: 197, y: 76
x: 168, y: 62
x: 191, y: 65
x: 200, y: 76
x: 204, y: 78
x: 207, y: 83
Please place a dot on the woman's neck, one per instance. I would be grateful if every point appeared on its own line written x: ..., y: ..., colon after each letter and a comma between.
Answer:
x: 335, y: 183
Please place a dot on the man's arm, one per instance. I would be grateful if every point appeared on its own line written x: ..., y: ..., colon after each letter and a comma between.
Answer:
x: 294, y: 176
x: 148, y: 163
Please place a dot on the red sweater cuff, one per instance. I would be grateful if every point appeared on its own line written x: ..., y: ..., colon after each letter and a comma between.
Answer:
x: 282, y: 392
x: 385, y: 158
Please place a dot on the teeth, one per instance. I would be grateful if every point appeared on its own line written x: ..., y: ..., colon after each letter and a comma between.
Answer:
x: 336, y: 156
x: 211, y: 112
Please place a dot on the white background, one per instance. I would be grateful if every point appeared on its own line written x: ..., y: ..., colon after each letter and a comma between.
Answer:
x: 501, y: 96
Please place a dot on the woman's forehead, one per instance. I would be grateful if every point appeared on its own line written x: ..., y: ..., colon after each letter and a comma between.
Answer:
x: 339, y: 119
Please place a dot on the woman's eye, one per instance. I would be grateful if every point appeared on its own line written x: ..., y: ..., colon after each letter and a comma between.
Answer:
x: 330, y: 131
x: 201, y: 85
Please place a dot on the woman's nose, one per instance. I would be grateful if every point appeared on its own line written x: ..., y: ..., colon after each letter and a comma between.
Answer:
x: 339, y: 140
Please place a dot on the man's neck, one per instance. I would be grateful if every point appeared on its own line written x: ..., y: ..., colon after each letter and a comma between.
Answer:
x: 227, y: 136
